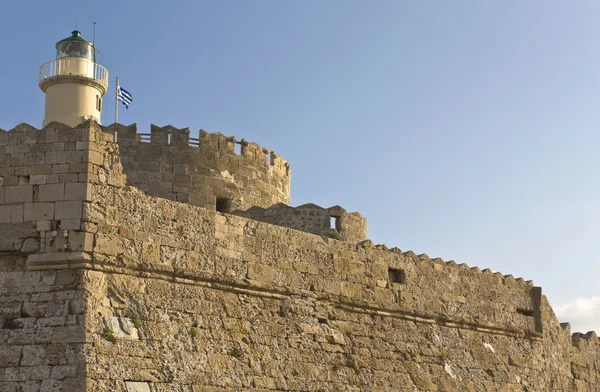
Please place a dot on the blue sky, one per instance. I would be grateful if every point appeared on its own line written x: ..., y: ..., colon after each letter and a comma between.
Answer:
x: 465, y: 130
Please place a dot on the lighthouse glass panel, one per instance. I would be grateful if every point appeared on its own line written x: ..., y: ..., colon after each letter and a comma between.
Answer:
x: 82, y: 50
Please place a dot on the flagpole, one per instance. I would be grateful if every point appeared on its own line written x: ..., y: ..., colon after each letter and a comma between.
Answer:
x: 117, y: 102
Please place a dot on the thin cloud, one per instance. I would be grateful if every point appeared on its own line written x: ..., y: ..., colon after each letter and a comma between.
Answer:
x: 583, y: 314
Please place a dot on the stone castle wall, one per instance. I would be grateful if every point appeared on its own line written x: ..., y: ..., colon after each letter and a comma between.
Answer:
x: 334, y: 222
x: 182, y: 298
x: 168, y: 164
x: 42, y: 335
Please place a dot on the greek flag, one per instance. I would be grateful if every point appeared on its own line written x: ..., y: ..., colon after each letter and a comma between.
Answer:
x: 124, y: 96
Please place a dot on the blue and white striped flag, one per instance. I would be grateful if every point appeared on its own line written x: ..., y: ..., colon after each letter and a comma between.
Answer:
x: 124, y: 96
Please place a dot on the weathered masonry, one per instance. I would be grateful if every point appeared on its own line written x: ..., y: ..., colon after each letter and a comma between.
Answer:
x: 118, y: 275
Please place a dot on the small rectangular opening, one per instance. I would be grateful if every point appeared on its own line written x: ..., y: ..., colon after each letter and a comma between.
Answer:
x: 169, y: 138
x: 334, y: 222
x: 238, y: 148
x: 525, y: 312
x: 224, y: 204
x: 397, y: 275
x: 24, y: 180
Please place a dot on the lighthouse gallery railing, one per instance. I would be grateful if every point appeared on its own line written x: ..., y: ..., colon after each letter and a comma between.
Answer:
x: 74, y: 66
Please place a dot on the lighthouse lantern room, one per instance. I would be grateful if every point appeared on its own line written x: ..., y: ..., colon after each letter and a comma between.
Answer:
x: 73, y: 83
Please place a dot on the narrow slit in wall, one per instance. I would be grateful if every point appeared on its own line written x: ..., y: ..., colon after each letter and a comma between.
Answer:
x: 334, y: 222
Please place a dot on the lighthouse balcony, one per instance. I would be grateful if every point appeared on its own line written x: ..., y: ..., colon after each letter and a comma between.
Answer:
x: 72, y: 69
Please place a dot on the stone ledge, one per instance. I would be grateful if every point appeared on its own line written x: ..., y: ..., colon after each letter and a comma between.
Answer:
x: 58, y: 260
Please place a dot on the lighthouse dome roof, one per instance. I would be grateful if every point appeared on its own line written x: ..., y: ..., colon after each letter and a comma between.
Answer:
x: 75, y: 46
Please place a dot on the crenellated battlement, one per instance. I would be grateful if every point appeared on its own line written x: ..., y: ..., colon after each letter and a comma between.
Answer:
x: 333, y: 222
x: 169, y: 164
x: 217, y: 142
x: 202, y: 171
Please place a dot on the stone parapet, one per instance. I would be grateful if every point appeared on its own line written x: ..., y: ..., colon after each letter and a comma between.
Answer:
x: 167, y: 163
x: 333, y: 222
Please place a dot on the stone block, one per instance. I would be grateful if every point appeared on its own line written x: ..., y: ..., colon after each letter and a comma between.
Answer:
x: 30, y: 245
x: 108, y: 245
x: 19, y: 374
x: 55, y: 157
x: 65, y: 278
x: 51, y: 192
x: 44, y: 225
x: 262, y: 273
x: 70, y: 224
x: 38, y: 179
x: 75, y: 334
x: 51, y: 385
x: 16, y: 214
x: 1, y: 195
x: 33, y: 355
x: 123, y: 327
x: 73, y: 156
x: 63, y: 371
x: 60, y: 168
x: 81, y: 241
x: 68, y: 210
x: 10, y: 356
x: 40, y: 169
x: 5, y: 214
x: 18, y: 194
x: 78, y: 191
x: 133, y: 386
x: 40, y: 373
x: 93, y: 157
x: 350, y: 289
x: 82, y: 167
x: 74, y: 384
x: 39, y: 211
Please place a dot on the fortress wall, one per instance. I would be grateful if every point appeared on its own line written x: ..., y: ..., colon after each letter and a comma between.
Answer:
x: 313, y: 219
x: 135, y: 231
x: 165, y: 164
x: 42, y: 335
x: 236, y: 304
x: 45, y: 176
x: 240, y: 305
x: 179, y: 297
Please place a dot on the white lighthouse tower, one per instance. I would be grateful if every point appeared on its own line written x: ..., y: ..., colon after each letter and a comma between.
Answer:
x: 74, y: 84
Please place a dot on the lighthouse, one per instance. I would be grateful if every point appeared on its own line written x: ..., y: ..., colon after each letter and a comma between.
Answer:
x: 73, y: 83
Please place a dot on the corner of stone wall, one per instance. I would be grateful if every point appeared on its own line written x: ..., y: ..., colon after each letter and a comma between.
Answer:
x: 47, y: 177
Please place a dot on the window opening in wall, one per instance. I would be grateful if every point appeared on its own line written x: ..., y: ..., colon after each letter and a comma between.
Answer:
x: 238, y: 148
x: 169, y: 138
x: 224, y: 204
x: 397, y: 275
x: 334, y: 222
